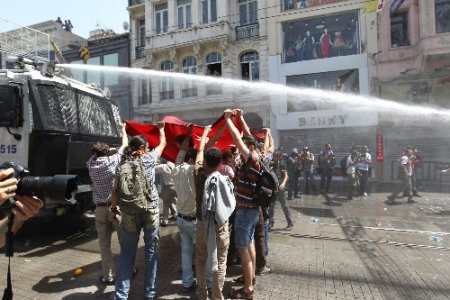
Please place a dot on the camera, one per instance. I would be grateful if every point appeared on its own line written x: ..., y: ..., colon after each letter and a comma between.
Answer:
x: 52, y: 190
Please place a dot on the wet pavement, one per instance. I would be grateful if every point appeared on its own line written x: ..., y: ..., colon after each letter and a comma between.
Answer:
x: 365, y: 248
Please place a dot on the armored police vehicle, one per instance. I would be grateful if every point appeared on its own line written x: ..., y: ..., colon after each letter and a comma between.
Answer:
x: 48, y: 124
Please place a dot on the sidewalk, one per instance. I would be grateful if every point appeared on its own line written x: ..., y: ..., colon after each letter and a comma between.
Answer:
x: 359, y: 249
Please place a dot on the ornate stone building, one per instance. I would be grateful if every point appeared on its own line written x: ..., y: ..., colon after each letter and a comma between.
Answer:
x: 227, y: 39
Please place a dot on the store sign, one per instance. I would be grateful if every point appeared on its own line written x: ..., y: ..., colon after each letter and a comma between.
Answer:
x: 326, y: 119
x: 380, y: 154
x: 322, y: 2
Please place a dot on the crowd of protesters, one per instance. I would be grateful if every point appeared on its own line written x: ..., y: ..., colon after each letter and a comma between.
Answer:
x: 209, y: 193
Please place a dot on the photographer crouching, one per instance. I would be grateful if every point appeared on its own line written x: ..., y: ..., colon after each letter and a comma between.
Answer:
x: 25, y: 206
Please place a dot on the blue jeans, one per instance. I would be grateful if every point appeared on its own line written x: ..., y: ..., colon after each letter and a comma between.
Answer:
x: 245, y: 224
x: 188, y: 232
x: 130, y: 228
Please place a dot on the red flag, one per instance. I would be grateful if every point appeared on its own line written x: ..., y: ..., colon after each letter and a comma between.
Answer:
x: 175, y: 128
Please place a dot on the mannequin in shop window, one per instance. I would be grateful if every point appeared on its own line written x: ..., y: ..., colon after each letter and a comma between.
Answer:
x: 326, y: 43
x: 339, y: 42
x: 308, y: 44
x: 299, y: 47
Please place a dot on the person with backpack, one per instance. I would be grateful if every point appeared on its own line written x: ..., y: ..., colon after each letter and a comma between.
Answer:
x: 136, y: 195
x: 248, y: 170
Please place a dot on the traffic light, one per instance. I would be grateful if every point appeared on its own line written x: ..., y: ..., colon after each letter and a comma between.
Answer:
x: 84, y: 53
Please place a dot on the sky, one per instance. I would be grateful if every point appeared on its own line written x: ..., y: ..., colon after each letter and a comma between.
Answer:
x: 84, y: 14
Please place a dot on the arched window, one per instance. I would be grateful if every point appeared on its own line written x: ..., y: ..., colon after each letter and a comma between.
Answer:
x: 167, y: 90
x: 214, y: 64
x: 189, y: 87
x: 250, y: 66
x: 190, y: 65
x: 214, y: 68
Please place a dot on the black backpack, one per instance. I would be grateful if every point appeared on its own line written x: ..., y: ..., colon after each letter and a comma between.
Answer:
x: 266, y: 191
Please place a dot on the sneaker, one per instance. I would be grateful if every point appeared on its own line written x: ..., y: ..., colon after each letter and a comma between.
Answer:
x: 364, y: 194
x: 391, y: 198
x: 192, y: 287
x: 164, y: 223
x: 107, y: 281
x: 289, y: 227
x: 264, y: 270
x: 416, y: 195
x: 410, y: 200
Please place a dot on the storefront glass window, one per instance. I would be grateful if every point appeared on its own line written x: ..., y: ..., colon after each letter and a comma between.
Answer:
x: 327, y: 36
x: 341, y: 81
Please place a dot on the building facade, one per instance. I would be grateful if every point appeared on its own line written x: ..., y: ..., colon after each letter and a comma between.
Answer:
x: 106, y: 49
x: 325, y: 45
x: 218, y: 38
x: 413, y: 67
x: 33, y: 42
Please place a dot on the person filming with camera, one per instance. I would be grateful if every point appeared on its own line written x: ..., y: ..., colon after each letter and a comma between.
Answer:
x: 25, y: 206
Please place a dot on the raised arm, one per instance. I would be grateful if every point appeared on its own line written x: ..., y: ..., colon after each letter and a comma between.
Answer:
x: 236, y: 135
x: 162, y: 139
x: 268, y: 142
x: 184, y: 146
x: 245, y: 128
x: 124, y: 138
x: 214, y: 138
x: 201, y: 148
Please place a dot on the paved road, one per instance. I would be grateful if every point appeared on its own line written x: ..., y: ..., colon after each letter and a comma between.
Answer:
x: 365, y: 248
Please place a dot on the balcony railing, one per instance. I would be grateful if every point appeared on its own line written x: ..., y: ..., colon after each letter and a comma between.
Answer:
x: 140, y: 52
x: 247, y: 31
x: 135, y: 2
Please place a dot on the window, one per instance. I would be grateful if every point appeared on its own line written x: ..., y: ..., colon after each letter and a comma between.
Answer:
x: 247, y: 12
x: 162, y: 18
x: 189, y: 67
x: 93, y: 76
x: 324, y: 37
x: 141, y: 33
x: 144, y: 91
x: 77, y: 74
x: 167, y: 90
x: 250, y: 66
x: 209, y: 11
x: 442, y: 8
x: 111, y: 78
x: 342, y: 81
x: 213, y: 68
x: 399, y: 30
x: 184, y: 14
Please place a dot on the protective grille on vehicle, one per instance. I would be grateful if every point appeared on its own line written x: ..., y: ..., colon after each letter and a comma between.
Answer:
x: 70, y: 110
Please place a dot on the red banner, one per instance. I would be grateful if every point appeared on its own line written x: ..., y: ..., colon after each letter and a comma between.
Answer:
x: 175, y: 128
x: 380, y: 154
